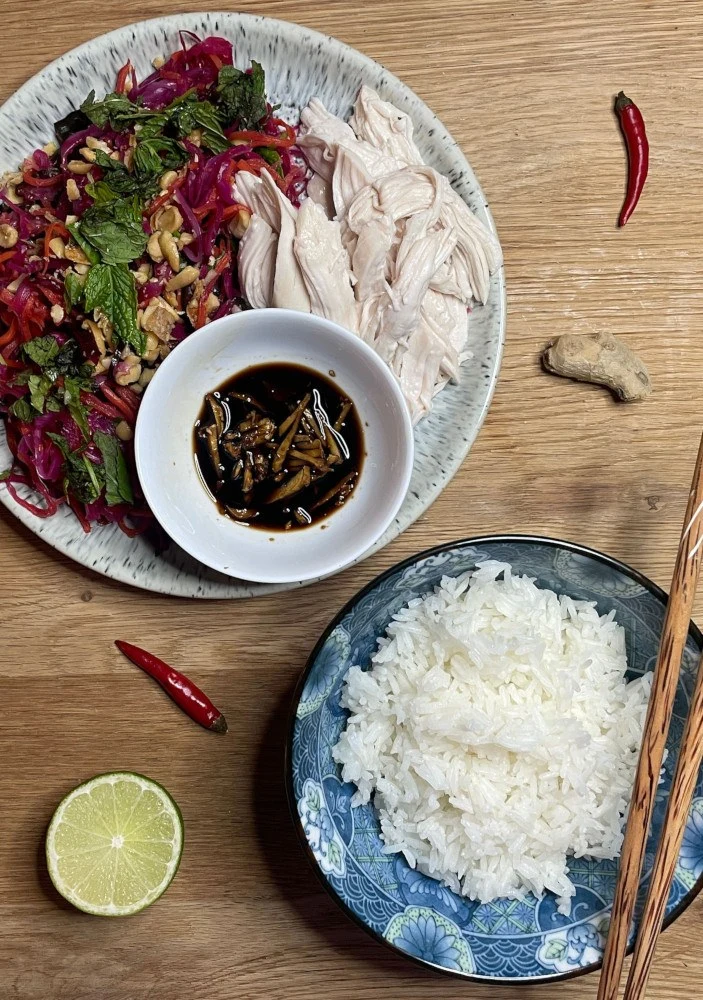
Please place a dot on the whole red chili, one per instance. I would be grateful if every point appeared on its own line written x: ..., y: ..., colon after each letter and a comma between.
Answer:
x: 632, y: 125
x: 186, y: 695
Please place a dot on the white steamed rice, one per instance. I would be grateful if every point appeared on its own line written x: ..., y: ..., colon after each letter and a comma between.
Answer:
x: 497, y: 735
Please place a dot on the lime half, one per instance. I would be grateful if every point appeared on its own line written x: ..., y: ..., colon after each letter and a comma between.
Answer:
x: 114, y: 844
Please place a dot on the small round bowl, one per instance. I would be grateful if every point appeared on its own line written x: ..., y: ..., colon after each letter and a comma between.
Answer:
x: 171, y: 482
x: 507, y: 940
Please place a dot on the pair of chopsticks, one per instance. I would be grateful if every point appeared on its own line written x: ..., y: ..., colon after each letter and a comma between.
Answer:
x: 656, y: 728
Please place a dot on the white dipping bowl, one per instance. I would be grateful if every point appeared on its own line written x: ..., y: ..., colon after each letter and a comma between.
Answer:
x: 171, y: 482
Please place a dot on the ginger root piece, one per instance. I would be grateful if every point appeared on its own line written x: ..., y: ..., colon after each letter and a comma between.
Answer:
x: 599, y: 358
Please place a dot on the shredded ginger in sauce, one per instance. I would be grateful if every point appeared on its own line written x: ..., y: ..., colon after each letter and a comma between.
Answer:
x: 279, y: 446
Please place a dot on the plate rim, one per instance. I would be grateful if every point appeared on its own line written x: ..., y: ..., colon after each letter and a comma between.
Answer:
x: 574, y: 547
x: 117, y: 571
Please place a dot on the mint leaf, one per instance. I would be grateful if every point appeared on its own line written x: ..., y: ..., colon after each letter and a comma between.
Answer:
x: 72, y: 400
x: 112, y: 289
x: 90, y: 252
x: 73, y: 289
x: 53, y: 405
x: 22, y: 410
x: 82, y: 479
x: 118, y: 488
x: 41, y: 350
x: 61, y: 441
x: 115, y: 230
x: 242, y: 96
x: 39, y: 387
x: 5, y: 474
x: 101, y: 192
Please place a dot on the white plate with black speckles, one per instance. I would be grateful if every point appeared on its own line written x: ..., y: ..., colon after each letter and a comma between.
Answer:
x: 299, y: 64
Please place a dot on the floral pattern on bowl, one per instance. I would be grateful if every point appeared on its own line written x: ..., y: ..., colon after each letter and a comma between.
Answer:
x: 516, y: 940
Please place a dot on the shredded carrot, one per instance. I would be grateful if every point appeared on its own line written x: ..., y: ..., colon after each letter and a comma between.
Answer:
x: 53, y: 230
x: 9, y: 334
x: 6, y: 256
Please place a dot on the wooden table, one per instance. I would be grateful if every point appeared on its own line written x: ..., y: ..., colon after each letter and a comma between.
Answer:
x: 527, y: 90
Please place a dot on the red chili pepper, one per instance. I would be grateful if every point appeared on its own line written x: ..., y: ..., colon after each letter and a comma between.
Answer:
x: 185, y: 694
x: 120, y: 86
x: 258, y: 139
x: 166, y: 196
x: 632, y: 125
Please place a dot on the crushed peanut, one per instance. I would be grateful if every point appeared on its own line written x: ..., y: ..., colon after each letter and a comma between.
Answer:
x: 57, y: 247
x: 153, y: 247
x: 8, y: 236
x: 57, y: 314
x: 184, y: 278
x: 168, y: 220
x: 75, y: 254
x: 239, y: 223
x: 170, y: 250
x: 167, y: 179
x: 159, y: 318
x: 79, y: 167
x: 72, y: 192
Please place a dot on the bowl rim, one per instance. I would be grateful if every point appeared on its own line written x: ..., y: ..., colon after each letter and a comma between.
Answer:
x: 462, y: 543
x: 327, y: 328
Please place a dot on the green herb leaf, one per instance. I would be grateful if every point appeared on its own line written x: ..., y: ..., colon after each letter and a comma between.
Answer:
x: 22, y: 410
x: 115, y: 230
x: 242, y: 96
x: 118, y: 488
x: 101, y: 192
x: 69, y: 361
x: 41, y: 350
x: 61, y: 441
x: 116, y: 109
x: 90, y: 252
x: 112, y: 289
x: 5, y: 474
x: 72, y: 400
x: 271, y: 156
x: 53, y: 405
x: 156, y: 154
x: 189, y: 112
x: 73, y: 289
x: 39, y: 387
x: 82, y: 479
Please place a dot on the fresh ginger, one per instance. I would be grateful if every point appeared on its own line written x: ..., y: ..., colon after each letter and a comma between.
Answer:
x: 599, y: 358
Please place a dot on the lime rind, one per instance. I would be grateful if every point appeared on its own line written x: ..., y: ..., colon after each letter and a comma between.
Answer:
x: 84, y: 863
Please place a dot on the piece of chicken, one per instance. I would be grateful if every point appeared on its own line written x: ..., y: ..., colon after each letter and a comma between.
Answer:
x: 324, y: 134
x: 385, y: 127
x: 420, y: 253
x: 256, y: 261
x: 263, y: 197
x: 325, y: 266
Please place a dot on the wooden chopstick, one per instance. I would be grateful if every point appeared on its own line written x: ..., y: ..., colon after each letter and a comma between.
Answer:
x: 656, y: 728
x: 682, y: 789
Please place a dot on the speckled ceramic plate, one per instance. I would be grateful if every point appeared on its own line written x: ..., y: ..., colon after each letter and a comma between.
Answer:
x: 299, y: 64
x: 506, y: 940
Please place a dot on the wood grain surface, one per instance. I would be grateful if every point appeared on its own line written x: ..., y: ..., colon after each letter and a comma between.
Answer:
x: 526, y: 88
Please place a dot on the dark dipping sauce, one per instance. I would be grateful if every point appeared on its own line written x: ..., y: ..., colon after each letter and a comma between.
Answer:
x: 279, y: 447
